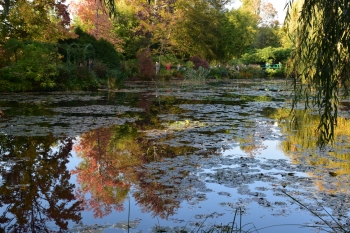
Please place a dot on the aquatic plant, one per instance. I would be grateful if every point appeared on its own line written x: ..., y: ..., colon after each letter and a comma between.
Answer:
x: 196, y: 76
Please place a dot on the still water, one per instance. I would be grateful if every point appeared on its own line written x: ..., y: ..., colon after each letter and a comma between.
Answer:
x: 170, y: 157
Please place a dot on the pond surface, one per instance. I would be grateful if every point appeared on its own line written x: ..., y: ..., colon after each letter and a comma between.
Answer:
x: 169, y: 157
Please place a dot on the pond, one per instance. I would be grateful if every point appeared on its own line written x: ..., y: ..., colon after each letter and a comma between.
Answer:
x: 170, y: 157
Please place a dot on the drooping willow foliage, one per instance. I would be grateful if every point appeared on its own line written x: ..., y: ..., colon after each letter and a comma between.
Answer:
x: 320, y: 65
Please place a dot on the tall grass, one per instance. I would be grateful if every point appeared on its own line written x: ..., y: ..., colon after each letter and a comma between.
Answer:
x: 196, y: 77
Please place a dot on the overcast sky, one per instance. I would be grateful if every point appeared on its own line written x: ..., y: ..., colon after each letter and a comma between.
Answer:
x: 277, y: 4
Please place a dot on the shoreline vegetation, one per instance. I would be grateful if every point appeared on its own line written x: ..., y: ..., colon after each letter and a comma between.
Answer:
x: 35, y: 70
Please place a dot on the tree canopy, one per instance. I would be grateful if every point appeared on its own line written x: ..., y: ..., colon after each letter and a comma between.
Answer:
x: 44, y: 21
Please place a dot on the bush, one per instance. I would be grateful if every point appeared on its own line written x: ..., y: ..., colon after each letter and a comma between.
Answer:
x: 100, y: 70
x: 146, y: 65
x: 189, y: 65
x: 11, y: 80
x: 130, y: 68
x: 65, y: 73
x: 38, y: 66
x: 197, y: 76
x: 165, y: 74
x: 82, y: 79
x: 106, y: 53
x: 35, y: 66
x: 252, y: 58
x: 219, y: 73
x: 199, y: 62
x: 9, y: 51
x: 115, y: 79
x: 275, y: 72
x: 251, y: 71
x: 267, y: 54
x: 178, y: 74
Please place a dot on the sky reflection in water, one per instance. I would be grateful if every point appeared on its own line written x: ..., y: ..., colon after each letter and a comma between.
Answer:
x: 188, y: 156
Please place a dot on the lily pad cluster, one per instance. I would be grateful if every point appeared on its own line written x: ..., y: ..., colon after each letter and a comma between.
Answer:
x: 227, y: 127
x: 62, y: 121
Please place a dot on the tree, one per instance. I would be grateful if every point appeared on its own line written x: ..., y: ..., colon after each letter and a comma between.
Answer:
x: 157, y: 23
x: 240, y: 29
x: 252, y: 6
x: 198, y: 31
x: 91, y: 16
x: 267, y: 36
x: 45, y: 21
x: 109, y: 5
x: 28, y: 65
x: 101, y: 50
x: 320, y: 67
x: 125, y: 26
x: 146, y: 65
x: 268, y: 15
x: 268, y: 30
x: 288, y: 30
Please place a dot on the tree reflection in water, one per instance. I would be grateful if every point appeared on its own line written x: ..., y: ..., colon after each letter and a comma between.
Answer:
x: 36, y: 193
x: 99, y: 174
x: 330, y: 164
x: 111, y: 158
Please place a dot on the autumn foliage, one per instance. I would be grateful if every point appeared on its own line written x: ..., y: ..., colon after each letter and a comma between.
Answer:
x: 111, y: 161
x: 146, y: 65
x: 98, y: 175
x: 197, y: 61
x: 92, y: 17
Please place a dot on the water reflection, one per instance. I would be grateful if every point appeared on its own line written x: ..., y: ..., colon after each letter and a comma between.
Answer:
x: 329, y: 166
x: 101, y: 171
x: 198, y: 150
x: 35, y: 189
x: 113, y: 159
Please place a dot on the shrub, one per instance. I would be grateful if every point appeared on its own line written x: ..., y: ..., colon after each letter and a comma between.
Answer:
x: 197, y: 76
x: 165, y: 74
x: 130, y: 68
x: 251, y: 58
x: 219, y: 73
x: 106, y: 53
x: 11, y: 80
x: 199, y: 62
x: 65, y: 73
x: 37, y: 65
x: 189, y: 65
x: 115, y: 79
x: 270, y: 72
x: 146, y: 66
x: 267, y: 54
x: 100, y: 70
x: 9, y: 51
x: 251, y: 71
x: 82, y: 79
x: 275, y: 72
x: 177, y: 74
